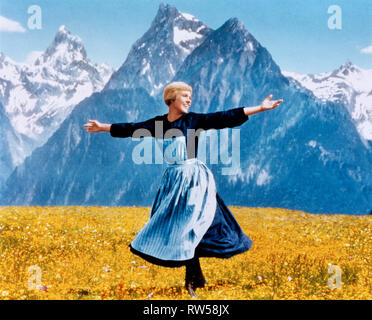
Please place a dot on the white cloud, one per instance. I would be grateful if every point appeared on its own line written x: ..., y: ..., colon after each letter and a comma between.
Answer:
x: 32, y: 56
x: 367, y: 50
x: 9, y: 25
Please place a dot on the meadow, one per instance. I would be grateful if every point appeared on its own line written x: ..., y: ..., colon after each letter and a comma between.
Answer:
x: 82, y: 253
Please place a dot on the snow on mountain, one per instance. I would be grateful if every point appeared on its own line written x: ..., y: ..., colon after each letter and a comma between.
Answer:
x: 38, y: 97
x: 155, y: 58
x: 349, y: 85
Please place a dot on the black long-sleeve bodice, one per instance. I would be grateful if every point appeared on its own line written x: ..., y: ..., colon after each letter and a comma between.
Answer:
x: 188, y: 125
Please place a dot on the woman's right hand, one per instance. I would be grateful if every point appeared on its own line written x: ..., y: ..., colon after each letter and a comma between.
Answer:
x: 96, y: 126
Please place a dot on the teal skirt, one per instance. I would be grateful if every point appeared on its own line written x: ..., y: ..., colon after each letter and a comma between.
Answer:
x: 188, y: 219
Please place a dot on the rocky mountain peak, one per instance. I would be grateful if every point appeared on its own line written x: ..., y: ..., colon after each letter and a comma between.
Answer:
x: 174, y: 27
x: 234, y: 30
x: 347, y: 68
x: 65, y: 48
x: 167, y: 12
x: 234, y: 24
x: 155, y: 58
x: 38, y: 96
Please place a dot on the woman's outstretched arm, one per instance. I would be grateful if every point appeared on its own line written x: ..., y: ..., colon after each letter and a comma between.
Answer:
x: 267, y: 104
x: 96, y: 126
x: 123, y: 130
x: 233, y: 117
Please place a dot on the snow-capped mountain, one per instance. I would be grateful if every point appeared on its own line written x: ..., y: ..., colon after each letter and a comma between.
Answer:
x: 349, y: 85
x: 173, y: 35
x: 38, y: 97
x: 305, y: 155
x: 230, y: 52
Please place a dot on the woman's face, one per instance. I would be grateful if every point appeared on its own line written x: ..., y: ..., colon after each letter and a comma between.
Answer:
x: 182, y: 102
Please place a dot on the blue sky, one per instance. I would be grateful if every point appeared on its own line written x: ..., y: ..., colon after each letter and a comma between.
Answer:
x: 295, y: 32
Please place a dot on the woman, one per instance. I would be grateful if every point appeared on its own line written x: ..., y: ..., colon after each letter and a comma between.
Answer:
x: 188, y: 219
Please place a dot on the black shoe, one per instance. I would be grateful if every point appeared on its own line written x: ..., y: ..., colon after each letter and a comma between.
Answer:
x: 191, y: 286
x: 190, y: 289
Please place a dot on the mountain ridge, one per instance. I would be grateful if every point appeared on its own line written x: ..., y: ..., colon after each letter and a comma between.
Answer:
x: 348, y: 85
x: 38, y: 97
x: 159, y: 48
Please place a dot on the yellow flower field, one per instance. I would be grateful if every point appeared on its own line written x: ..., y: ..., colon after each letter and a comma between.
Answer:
x: 83, y: 253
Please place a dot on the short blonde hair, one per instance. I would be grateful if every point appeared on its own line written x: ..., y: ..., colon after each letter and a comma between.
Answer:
x: 171, y: 90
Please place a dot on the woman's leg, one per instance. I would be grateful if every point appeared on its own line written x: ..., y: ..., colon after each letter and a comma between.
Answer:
x: 194, y: 276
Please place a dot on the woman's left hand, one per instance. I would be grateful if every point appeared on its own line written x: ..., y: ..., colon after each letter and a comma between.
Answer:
x: 269, y: 104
